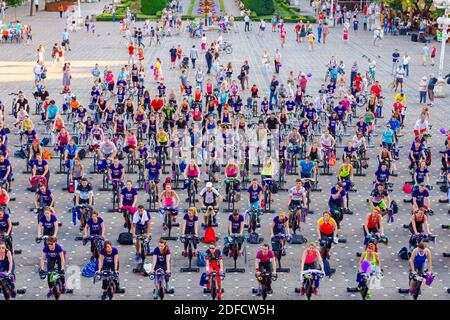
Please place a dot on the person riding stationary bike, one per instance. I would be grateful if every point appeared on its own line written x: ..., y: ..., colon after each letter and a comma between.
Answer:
x: 265, y: 262
x: 214, y: 262
x: 310, y: 257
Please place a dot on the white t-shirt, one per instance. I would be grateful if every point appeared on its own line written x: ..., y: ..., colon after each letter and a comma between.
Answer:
x: 357, y: 143
x: 406, y: 60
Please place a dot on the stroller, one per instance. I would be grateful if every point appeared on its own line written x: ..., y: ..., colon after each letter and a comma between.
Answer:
x: 184, y: 63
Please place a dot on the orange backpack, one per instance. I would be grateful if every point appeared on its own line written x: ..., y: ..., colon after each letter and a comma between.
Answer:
x: 47, y: 155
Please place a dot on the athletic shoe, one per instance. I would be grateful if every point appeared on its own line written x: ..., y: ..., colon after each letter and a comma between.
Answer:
x: 49, y: 293
x: 103, y: 296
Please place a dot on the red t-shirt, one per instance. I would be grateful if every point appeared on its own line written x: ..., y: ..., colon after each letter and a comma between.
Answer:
x: 398, y: 106
x: 376, y: 89
x: 156, y: 104
x: 131, y: 50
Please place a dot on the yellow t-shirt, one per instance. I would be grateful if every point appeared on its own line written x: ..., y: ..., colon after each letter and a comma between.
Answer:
x: 26, y: 124
x: 267, y: 171
x: 400, y: 99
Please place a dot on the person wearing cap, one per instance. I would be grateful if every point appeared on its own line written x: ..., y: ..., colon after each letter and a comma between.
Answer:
x: 373, y: 224
x: 35, y: 149
x: 209, y: 196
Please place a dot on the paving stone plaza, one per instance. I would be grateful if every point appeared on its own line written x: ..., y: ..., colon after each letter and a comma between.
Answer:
x: 108, y: 46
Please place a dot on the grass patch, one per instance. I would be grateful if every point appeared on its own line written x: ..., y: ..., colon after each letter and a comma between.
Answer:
x: 150, y: 7
x: 221, y: 6
x: 191, y: 8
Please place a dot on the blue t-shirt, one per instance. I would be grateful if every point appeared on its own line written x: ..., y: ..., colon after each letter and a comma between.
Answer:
x: 52, y: 254
x: 116, y: 173
x: 95, y: 227
x: 4, y: 225
x: 52, y: 111
x: 307, y: 167
x: 129, y: 196
x: 388, y: 136
x: 382, y: 176
x: 153, y: 168
x: 337, y: 201
x: 48, y: 224
x: 420, y: 175
x: 279, y: 225
x: 161, y: 258
x: 254, y: 193
x: 108, y: 260
x: 236, y: 225
x: 420, y: 196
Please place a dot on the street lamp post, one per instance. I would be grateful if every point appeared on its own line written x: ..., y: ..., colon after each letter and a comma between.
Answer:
x: 443, y: 23
x: 331, y: 13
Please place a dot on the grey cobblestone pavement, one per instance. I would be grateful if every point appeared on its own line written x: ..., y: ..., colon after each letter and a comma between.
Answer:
x: 108, y: 47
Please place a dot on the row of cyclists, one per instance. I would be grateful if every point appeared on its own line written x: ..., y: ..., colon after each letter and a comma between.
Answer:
x: 96, y: 138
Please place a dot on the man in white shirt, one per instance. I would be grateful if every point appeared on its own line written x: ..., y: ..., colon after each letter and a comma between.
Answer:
x: 247, y: 23
x: 376, y: 36
x: 421, y: 126
x: 399, y: 75
x: 36, y: 4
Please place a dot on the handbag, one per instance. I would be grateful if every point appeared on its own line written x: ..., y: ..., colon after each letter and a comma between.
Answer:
x: 332, y: 161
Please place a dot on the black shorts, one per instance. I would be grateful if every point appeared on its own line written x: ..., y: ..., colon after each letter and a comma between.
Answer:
x: 134, y: 78
x: 294, y: 204
x: 141, y: 229
x: 265, y: 267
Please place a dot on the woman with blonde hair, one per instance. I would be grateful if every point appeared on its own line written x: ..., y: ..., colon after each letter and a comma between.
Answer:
x: 190, y: 227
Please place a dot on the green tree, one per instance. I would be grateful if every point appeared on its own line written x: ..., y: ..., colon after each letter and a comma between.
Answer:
x: 420, y: 6
x: 14, y: 3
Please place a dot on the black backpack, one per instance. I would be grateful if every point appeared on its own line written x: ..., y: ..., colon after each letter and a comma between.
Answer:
x: 82, y: 154
x: 275, y: 188
x: 404, y: 254
x: 253, y: 238
x: 45, y: 142
x: 125, y: 238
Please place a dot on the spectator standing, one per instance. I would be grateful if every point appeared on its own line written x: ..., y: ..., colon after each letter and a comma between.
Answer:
x: 193, y: 54
x: 423, y: 90
x: 425, y: 54
x: 433, y: 54
x: 431, y: 84
x: 405, y: 62
x: 395, y: 59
